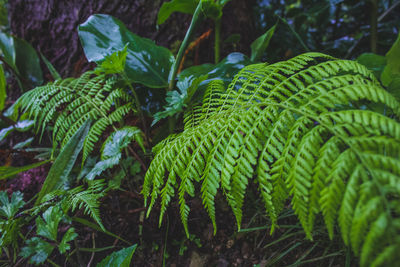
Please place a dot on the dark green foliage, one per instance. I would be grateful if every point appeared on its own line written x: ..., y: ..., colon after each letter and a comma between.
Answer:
x: 9, y: 224
x: 301, y: 130
x: 39, y: 248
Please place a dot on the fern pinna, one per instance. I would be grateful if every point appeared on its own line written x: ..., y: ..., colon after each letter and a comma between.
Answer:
x: 302, y: 130
x: 71, y: 102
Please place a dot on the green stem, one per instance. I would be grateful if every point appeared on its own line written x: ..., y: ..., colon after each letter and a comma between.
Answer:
x: 174, y: 70
x: 217, y: 41
x: 138, y: 106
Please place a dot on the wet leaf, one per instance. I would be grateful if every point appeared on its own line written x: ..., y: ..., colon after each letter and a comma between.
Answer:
x: 146, y: 62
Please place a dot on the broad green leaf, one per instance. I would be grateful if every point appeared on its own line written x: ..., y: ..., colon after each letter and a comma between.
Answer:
x: 259, y: 46
x: 393, y: 63
x: 49, y: 226
x: 3, y: 84
x: 68, y: 237
x: 64, y: 162
x: 50, y: 67
x: 146, y: 63
x: 121, y: 258
x: 27, y: 62
x: 9, y: 171
x: 373, y: 62
x: 22, y: 58
x: 178, y: 99
x: 37, y: 249
x: 9, y: 208
x: 184, y: 6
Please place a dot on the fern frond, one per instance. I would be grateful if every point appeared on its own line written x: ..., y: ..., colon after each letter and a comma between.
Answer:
x: 300, y: 130
x: 88, y: 199
x: 70, y: 102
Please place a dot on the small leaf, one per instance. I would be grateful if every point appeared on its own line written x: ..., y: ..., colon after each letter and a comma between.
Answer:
x: 121, y: 258
x: 68, y: 237
x: 178, y: 99
x: 49, y: 226
x: 5, y: 132
x: 23, y: 144
x: 146, y: 63
x: 63, y: 164
x: 393, y: 63
x: 259, y: 46
x: 114, y: 63
x: 183, y: 6
x: 112, y: 149
x: 9, y: 208
x: 3, y: 84
x: 38, y: 249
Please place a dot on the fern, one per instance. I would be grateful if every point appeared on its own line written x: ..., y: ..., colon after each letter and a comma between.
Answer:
x: 70, y: 102
x: 81, y: 198
x: 303, y: 131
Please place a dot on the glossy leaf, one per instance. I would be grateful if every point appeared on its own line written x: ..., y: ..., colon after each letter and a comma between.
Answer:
x: 63, y: 164
x: 393, y: 63
x: 8, y: 49
x: 259, y: 46
x: 22, y: 58
x: 9, y: 171
x: 146, y: 63
x: 183, y: 6
x: 3, y: 92
x: 121, y: 258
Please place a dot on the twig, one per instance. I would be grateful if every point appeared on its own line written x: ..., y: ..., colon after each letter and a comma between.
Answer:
x: 92, y: 256
x: 137, y: 158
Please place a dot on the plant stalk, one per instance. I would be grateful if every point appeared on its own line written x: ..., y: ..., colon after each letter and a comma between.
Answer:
x: 217, y: 41
x: 174, y: 70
